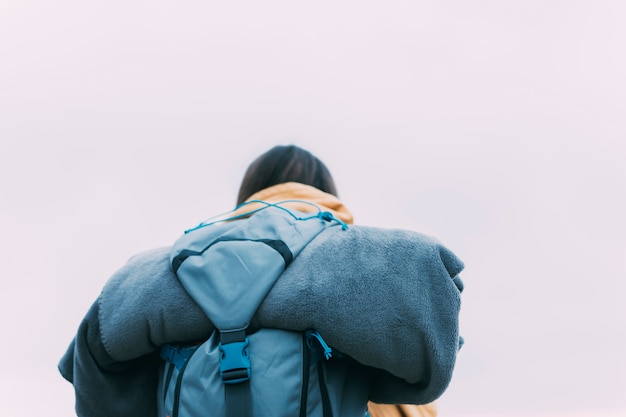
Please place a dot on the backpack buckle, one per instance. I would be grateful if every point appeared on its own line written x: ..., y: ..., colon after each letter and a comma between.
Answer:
x: 234, y: 362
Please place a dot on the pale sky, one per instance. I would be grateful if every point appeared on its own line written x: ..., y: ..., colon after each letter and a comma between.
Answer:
x: 497, y: 126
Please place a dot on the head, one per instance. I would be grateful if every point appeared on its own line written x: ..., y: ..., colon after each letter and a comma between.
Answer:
x: 285, y: 164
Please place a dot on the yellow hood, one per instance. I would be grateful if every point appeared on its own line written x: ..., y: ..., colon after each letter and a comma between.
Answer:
x: 288, y: 191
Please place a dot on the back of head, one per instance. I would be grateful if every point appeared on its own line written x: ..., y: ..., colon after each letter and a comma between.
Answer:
x: 285, y: 164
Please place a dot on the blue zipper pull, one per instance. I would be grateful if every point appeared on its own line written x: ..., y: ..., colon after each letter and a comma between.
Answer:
x: 314, y: 335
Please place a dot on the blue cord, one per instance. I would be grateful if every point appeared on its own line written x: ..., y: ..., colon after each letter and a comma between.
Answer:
x: 324, y: 215
x: 314, y: 335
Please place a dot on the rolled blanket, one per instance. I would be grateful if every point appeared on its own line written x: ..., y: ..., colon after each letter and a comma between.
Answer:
x: 390, y: 299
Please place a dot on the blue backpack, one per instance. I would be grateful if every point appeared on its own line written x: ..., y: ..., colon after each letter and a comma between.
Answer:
x: 228, y: 267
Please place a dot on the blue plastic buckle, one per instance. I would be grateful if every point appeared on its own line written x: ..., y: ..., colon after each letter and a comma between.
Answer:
x: 177, y: 355
x: 235, y: 362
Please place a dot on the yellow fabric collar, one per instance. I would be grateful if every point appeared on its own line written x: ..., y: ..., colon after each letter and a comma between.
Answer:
x: 296, y: 191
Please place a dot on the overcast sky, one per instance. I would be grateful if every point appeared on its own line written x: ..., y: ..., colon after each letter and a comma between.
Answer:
x: 497, y: 126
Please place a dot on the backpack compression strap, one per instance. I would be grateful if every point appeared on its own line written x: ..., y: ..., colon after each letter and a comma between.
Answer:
x: 235, y: 373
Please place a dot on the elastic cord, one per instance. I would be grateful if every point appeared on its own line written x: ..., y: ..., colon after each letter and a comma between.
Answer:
x: 324, y: 215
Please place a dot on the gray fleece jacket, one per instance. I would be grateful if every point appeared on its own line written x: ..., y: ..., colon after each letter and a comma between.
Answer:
x: 388, y: 298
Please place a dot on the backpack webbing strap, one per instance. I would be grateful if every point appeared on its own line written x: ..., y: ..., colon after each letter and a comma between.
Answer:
x: 235, y: 373
x: 326, y: 408
x: 238, y: 399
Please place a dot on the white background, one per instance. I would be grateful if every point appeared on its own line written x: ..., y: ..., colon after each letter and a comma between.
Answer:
x: 497, y: 126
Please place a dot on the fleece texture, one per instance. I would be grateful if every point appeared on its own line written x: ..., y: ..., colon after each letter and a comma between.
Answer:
x: 387, y: 298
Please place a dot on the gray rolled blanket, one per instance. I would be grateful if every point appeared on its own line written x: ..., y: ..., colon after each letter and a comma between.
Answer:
x: 390, y: 299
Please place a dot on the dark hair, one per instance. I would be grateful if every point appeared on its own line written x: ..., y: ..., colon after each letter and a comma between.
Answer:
x: 285, y: 164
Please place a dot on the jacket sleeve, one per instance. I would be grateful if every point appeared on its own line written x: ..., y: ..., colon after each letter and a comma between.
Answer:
x: 103, y: 386
x: 113, y: 361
